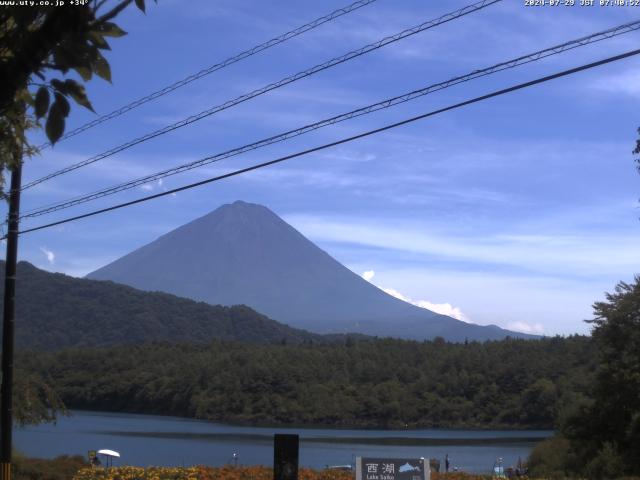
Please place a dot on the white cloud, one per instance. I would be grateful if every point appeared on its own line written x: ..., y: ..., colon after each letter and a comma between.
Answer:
x: 524, y: 327
x: 499, y: 297
x: 149, y: 187
x: 394, y: 293
x: 51, y: 257
x: 625, y: 83
x: 441, y: 308
x: 368, y: 275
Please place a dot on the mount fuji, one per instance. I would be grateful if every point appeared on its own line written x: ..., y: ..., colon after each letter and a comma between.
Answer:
x: 243, y: 253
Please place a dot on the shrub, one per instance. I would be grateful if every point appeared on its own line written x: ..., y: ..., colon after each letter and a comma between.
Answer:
x: 59, y: 468
x: 549, y: 459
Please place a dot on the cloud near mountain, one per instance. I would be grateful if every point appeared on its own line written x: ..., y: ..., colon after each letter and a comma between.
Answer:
x: 441, y: 308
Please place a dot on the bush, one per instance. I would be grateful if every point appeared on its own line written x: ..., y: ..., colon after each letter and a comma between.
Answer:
x: 549, y: 459
x: 59, y: 468
x: 606, y: 464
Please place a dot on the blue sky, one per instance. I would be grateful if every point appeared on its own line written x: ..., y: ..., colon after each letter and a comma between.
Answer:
x: 520, y: 211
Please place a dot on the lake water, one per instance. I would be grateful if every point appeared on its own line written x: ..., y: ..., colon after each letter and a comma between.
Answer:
x: 170, y: 441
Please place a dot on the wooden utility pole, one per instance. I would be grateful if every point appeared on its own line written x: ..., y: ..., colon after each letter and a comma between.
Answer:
x: 8, y: 322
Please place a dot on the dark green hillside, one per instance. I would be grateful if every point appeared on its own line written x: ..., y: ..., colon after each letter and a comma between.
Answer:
x: 368, y: 383
x: 57, y: 311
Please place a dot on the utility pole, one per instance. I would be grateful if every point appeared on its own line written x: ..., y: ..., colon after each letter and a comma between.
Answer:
x: 6, y: 389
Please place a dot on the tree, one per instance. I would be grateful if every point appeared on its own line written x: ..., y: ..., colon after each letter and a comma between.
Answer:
x: 605, y: 433
x: 35, y: 400
x: 617, y: 334
x: 538, y: 403
x: 39, y: 47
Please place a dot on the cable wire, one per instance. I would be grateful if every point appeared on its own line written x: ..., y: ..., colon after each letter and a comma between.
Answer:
x: 344, y: 140
x: 599, y: 36
x: 272, y: 86
x: 213, y: 68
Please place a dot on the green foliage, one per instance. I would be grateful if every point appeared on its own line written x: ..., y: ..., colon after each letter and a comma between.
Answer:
x: 140, y: 5
x: 636, y: 150
x: 539, y: 401
x: 59, y: 468
x: 56, y: 119
x: 603, y: 428
x: 57, y: 311
x: 34, y: 401
x: 549, y: 458
x: 363, y: 383
x: 610, y: 426
x: 42, y: 102
x: 607, y: 463
x: 39, y: 44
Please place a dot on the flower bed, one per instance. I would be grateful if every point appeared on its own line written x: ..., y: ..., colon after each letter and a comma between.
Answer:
x: 229, y: 473
x: 201, y: 473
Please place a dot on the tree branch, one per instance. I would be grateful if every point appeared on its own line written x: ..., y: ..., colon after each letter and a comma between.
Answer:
x: 15, y: 73
x: 113, y: 12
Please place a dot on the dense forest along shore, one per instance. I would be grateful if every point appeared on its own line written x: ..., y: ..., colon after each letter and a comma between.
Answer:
x: 373, y: 383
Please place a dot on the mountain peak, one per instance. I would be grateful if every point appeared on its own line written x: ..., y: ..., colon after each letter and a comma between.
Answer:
x: 241, y: 205
x: 238, y: 210
x: 243, y: 253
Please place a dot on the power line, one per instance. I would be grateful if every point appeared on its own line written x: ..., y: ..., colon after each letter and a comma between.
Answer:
x: 272, y: 86
x: 599, y: 36
x: 213, y: 68
x: 344, y: 140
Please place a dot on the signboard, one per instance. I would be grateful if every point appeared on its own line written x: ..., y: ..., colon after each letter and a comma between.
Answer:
x: 392, y: 469
x: 285, y: 456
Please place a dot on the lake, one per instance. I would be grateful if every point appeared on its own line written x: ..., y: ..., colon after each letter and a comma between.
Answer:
x: 170, y: 441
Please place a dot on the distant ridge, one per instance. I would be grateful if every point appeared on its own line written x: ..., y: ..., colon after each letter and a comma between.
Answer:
x: 243, y: 253
x: 55, y: 311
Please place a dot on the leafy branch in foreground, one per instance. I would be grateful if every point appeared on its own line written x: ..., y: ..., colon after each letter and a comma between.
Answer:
x: 35, y: 401
x: 39, y: 47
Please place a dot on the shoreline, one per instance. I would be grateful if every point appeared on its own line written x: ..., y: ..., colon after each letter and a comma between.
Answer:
x: 320, y: 426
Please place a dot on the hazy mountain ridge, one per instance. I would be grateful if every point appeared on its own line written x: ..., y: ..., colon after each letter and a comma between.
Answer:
x: 55, y: 311
x: 243, y: 253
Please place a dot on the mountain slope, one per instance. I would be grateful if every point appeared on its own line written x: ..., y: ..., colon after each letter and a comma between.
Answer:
x: 56, y: 311
x: 243, y: 253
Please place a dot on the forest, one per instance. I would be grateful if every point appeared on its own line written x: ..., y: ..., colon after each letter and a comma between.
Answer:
x: 358, y: 382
